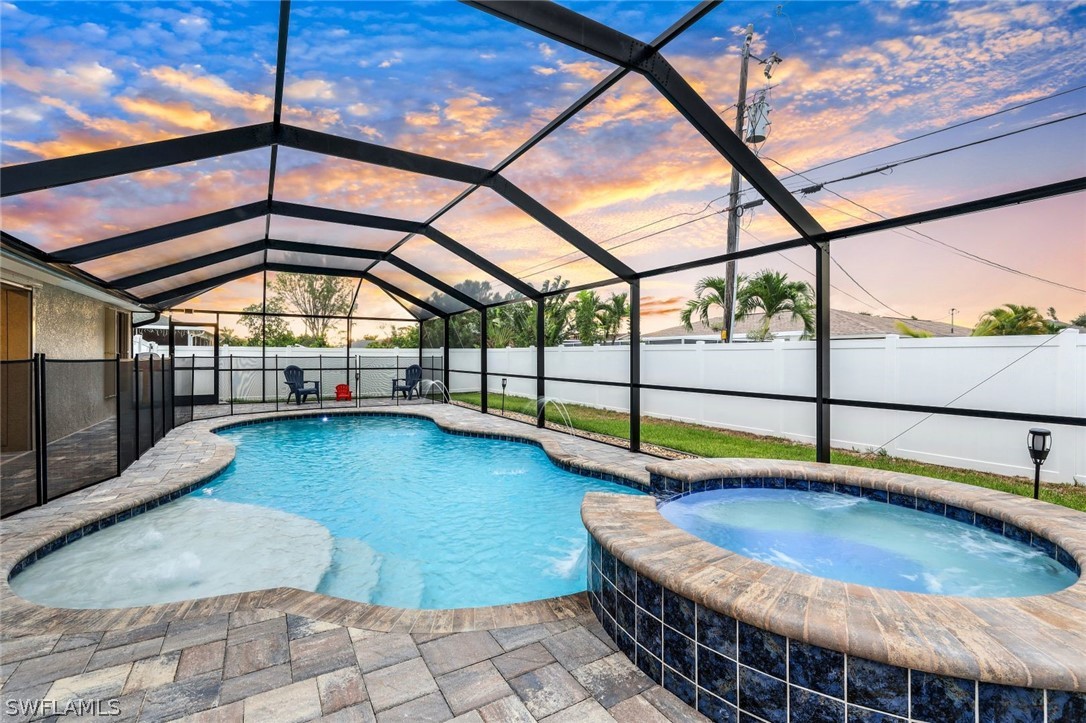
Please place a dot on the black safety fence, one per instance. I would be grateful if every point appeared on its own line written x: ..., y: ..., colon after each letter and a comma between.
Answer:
x: 218, y: 386
x: 71, y: 423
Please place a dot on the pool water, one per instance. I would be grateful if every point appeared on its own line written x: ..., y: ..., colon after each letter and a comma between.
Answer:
x: 387, y: 510
x: 858, y: 540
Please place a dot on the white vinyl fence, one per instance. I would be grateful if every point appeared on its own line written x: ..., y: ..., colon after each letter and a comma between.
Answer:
x: 1028, y: 374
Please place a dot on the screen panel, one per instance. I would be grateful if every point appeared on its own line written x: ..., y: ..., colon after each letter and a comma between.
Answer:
x: 194, y: 277
x: 302, y: 230
x: 441, y: 79
x: 59, y: 218
x: 445, y: 265
x: 416, y: 287
x: 175, y: 250
x: 241, y: 294
x: 81, y: 77
x: 318, y: 180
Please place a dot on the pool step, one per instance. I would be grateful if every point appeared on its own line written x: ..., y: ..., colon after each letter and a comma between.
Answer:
x: 355, y: 570
x: 400, y: 584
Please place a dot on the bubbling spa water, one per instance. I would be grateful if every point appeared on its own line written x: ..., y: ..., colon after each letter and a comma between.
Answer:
x: 858, y: 540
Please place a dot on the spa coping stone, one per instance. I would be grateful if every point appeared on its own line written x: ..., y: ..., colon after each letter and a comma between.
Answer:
x: 1033, y: 642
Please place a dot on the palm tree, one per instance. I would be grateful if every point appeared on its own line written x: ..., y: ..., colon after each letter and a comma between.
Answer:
x: 612, y: 313
x: 1011, y: 320
x: 773, y: 294
x: 708, y: 292
x: 584, y: 317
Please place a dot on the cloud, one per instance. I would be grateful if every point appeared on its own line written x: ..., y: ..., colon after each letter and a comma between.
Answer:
x: 313, y: 89
x: 543, y: 70
x: 358, y: 109
x: 471, y: 112
x: 181, y: 115
x: 81, y: 79
x: 425, y: 120
x: 210, y: 87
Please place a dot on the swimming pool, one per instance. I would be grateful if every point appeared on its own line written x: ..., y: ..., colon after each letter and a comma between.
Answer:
x: 380, y: 509
x: 855, y: 539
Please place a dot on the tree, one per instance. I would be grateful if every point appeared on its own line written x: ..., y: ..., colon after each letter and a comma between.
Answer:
x: 906, y: 330
x: 612, y: 313
x: 315, y: 297
x: 1079, y: 320
x: 273, y: 330
x: 1011, y: 320
x: 399, y: 337
x: 710, y: 291
x: 584, y: 317
x: 557, y: 313
x: 773, y: 294
x: 514, y: 324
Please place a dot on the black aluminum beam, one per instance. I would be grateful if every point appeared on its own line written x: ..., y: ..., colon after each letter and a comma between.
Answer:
x: 395, y: 291
x: 540, y: 364
x: 56, y: 172
x: 554, y: 223
x: 301, y: 247
x: 635, y: 366
x: 181, y: 267
x: 281, y: 59
x: 436, y: 283
x: 158, y: 234
x: 347, y: 218
x: 483, y: 378
x: 347, y: 252
x: 478, y: 261
x: 823, y: 413
x: 199, y: 287
x: 326, y: 144
x: 572, y: 29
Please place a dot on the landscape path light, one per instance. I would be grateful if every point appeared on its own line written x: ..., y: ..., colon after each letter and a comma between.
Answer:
x: 1039, y: 442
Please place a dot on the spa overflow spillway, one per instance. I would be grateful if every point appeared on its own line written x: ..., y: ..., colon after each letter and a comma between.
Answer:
x: 854, y: 539
x: 380, y: 509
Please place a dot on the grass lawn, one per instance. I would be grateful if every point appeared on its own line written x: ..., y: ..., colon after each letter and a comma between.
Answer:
x: 712, y: 442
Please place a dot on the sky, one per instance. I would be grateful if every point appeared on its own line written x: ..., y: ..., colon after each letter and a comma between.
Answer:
x: 446, y: 80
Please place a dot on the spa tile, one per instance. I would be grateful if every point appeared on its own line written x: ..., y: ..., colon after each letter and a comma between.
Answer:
x: 717, y: 631
x: 762, y: 695
x: 808, y: 707
x: 649, y: 596
x: 624, y: 613
x: 1009, y: 704
x: 942, y: 699
x: 681, y: 686
x: 878, y: 685
x: 649, y: 664
x: 816, y: 668
x: 626, y: 581
x: 1066, y: 707
x: 680, y: 653
x: 717, y: 674
x: 679, y: 613
x: 649, y: 631
x: 763, y: 650
x: 716, y: 709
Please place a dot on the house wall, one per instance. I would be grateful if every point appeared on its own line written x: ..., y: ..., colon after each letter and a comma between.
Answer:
x: 69, y: 326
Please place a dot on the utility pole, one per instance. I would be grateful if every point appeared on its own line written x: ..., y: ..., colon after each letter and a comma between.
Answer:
x: 733, y: 195
x: 952, y: 312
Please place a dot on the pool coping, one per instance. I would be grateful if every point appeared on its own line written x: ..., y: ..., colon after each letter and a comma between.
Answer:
x: 1035, y: 642
x: 192, y: 455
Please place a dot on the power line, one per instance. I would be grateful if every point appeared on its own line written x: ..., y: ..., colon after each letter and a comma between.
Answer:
x: 932, y: 154
x: 960, y: 251
x: 940, y: 130
x: 982, y: 381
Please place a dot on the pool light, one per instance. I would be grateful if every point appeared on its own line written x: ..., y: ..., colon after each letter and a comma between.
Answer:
x: 1039, y: 442
x: 324, y: 419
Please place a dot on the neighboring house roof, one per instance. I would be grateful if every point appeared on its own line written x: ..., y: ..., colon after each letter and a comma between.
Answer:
x: 842, y: 324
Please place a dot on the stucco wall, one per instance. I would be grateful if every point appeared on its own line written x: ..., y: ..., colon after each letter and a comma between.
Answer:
x: 68, y: 325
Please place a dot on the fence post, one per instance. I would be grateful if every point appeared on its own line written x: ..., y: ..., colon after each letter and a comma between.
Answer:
x: 230, y: 386
x: 117, y: 398
x: 483, y: 396
x: 136, y: 401
x: 151, y: 391
x: 192, y: 387
x: 320, y: 380
x: 264, y: 372
x: 165, y: 429
x: 445, y: 360
x: 39, y: 428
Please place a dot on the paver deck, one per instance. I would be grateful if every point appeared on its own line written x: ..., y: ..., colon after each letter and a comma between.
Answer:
x: 291, y: 655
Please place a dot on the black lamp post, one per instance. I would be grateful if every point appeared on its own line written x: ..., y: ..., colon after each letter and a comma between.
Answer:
x: 1039, y: 442
x: 504, y: 382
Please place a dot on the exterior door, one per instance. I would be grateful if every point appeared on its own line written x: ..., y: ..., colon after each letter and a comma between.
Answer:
x: 194, y: 348
x: 16, y: 380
